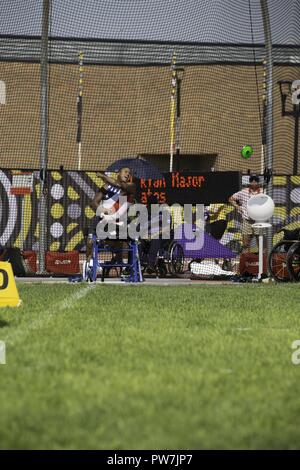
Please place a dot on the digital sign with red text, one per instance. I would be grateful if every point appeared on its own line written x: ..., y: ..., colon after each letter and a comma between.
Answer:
x: 189, y: 188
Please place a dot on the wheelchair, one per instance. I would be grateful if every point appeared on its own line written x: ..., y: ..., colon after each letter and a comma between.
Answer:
x: 103, y: 248
x: 169, y: 259
x: 284, y: 258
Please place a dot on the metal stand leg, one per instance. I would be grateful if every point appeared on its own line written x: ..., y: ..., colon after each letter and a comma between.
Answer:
x: 95, y: 259
x: 260, y: 255
x: 261, y: 227
x: 135, y: 272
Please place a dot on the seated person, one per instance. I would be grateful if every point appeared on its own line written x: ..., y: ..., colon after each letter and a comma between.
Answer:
x: 153, y: 244
x: 106, y: 205
x: 216, y: 225
x: 240, y: 200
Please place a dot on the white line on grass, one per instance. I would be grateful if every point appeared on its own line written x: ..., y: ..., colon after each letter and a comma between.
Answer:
x: 264, y: 328
x: 67, y: 303
x: 48, y: 314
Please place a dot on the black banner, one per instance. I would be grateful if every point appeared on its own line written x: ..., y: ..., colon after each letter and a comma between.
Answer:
x: 190, y: 188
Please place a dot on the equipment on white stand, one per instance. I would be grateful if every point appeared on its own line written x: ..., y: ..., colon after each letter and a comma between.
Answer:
x: 260, y: 208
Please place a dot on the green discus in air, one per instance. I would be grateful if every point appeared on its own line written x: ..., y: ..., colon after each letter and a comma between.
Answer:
x: 247, y: 151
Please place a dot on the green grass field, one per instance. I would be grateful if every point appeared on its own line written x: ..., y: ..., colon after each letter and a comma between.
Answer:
x: 146, y: 367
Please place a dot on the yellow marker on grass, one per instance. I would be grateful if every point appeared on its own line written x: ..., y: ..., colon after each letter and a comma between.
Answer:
x: 9, y: 295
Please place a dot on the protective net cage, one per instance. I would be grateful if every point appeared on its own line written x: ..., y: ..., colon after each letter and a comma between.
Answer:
x: 156, y: 86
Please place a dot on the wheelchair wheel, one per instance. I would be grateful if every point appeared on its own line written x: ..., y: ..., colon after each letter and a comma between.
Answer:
x: 277, y: 262
x: 293, y: 261
x: 175, y: 258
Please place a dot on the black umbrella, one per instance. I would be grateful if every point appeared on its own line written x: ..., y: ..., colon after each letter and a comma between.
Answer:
x: 140, y: 168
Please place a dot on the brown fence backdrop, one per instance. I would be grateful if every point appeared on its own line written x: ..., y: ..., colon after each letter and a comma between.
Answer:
x: 126, y: 112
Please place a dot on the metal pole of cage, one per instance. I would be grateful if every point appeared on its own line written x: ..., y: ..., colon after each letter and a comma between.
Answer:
x: 173, y: 111
x: 269, y: 108
x: 43, y: 136
x: 79, y: 108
